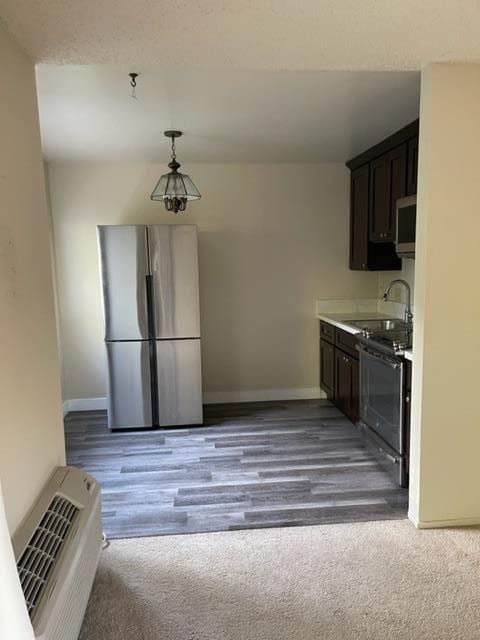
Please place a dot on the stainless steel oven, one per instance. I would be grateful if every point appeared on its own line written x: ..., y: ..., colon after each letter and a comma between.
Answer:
x: 382, y: 384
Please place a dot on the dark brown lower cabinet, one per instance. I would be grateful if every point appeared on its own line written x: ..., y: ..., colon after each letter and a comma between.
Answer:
x: 327, y: 369
x: 346, y: 384
x: 339, y: 376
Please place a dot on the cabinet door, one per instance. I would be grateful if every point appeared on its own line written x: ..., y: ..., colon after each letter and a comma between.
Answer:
x: 379, y: 198
x: 347, y: 385
x: 354, y: 390
x: 359, y: 186
x: 327, y: 369
x: 341, y: 381
x: 388, y: 182
x: 398, y: 185
x: 412, y: 166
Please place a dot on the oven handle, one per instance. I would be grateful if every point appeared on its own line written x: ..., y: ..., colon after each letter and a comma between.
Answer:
x: 394, y: 364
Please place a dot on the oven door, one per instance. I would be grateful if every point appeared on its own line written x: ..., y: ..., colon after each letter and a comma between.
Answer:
x: 381, y: 396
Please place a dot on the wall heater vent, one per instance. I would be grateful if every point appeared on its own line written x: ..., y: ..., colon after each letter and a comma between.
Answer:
x: 57, y: 548
x: 43, y: 550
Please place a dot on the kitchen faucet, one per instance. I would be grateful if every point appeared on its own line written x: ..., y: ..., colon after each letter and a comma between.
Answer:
x: 408, y: 306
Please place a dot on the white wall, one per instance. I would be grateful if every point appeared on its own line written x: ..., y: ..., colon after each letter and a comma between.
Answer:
x: 31, y: 433
x: 445, y: 471
x: 272, y: 240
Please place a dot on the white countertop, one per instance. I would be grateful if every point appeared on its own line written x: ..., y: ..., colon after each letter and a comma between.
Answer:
x: 342, y: 321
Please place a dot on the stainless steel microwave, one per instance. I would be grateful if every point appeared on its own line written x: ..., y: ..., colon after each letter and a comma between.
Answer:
x: 406, y: 209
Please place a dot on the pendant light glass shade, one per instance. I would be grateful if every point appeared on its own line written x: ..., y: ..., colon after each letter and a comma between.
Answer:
x: 175, y: 188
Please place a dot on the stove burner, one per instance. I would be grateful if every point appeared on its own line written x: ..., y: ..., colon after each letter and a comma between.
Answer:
x: 394, y: 342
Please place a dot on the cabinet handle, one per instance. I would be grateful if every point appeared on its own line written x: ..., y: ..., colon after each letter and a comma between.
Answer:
x: 364, y: 266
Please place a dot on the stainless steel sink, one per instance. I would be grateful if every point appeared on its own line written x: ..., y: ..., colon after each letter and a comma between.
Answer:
x: 379, y: 325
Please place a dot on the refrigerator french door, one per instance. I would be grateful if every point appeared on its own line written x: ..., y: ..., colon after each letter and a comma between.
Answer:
x: 152, y: 325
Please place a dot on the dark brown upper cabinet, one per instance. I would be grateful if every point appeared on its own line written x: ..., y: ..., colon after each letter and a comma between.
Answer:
x: 379, y: 177
x: 359, y: 186
x: 397, y: 163
x: 379, y: 199
x: 366, y: 255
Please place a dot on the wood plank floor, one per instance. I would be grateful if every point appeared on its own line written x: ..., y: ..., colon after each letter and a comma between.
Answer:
x: 251, y: 465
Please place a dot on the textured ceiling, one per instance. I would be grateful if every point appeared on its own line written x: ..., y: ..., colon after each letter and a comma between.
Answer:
x: 267, y: 34
x: 86, y: 113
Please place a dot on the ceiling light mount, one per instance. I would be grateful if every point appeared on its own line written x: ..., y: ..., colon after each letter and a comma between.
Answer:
x: 175, y: 188
x: 133, y: 83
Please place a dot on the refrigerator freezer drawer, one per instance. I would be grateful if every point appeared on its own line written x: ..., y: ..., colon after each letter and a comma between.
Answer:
x: 129, y: 385
x: 124, y: 264
x: 179, y: 377
x: 174, y: 269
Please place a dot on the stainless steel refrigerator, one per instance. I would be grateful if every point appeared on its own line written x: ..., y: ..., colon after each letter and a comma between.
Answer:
x: 152, y: 325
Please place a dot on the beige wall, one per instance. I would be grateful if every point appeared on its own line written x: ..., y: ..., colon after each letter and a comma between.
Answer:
x: 272, y: 239
x: 31, y: 434
x: 397, y: 296
x: 14, y: 620
x: 445, y: 469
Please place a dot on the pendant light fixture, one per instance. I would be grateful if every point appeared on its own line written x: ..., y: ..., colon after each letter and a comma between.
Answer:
x: 175, y: 188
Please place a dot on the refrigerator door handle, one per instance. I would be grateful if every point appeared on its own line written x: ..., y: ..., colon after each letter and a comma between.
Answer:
x: 153, y: 350
x: 150, y: 305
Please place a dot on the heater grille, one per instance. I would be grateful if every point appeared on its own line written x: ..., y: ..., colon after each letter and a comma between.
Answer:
x: 42, y: 552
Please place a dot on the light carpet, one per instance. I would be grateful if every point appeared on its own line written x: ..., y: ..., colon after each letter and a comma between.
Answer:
x: 366, y: 580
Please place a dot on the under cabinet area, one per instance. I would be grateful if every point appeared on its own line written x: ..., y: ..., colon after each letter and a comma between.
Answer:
x: 339, y: 369
x: 379, y: 177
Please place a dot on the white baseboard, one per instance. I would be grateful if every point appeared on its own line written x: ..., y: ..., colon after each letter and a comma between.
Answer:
x: 442, y: 524
x: 262, y: 395
x: 84, y: 404
x: 212, y: 397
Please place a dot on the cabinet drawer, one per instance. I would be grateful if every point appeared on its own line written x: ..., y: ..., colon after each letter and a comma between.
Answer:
x: 327, y: 331
x: 346, y: 341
